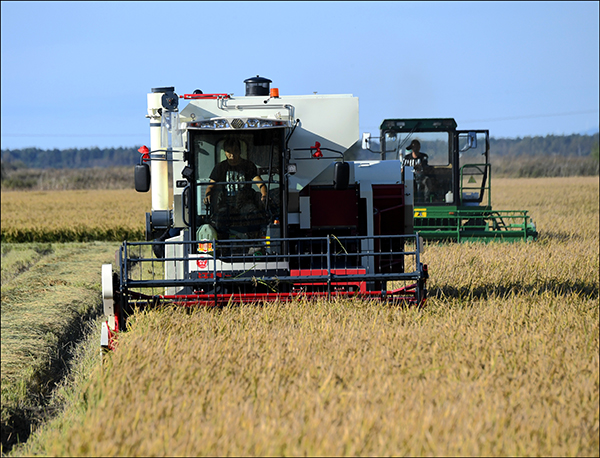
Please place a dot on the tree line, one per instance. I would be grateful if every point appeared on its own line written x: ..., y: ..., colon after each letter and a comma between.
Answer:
x: 71, y: 158
x: 75, y: 158
x: 553, y: 145
x: 112, y: 168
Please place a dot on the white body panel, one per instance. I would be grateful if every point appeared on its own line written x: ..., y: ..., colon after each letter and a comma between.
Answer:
x: 378, y: 172
x: 331, y: 120
x: 104, y: 335
x: 207, y: 265
x: 108, y: 294
x: 159, y: 171
x: 174, y: 269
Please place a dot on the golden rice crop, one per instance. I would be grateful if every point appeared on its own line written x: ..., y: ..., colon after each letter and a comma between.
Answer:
x: 562, y: 208
x: 67, y: 216
x: 514, y: 377
x: 504, y: 360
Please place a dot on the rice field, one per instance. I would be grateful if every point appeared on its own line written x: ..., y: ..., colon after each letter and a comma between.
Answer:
x: 504, y: 360
x: 73, y: 216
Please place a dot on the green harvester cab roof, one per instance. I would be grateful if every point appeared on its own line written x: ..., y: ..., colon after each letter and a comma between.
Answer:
x: 418, y: 124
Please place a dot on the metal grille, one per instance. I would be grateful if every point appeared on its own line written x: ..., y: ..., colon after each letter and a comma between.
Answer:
x: 237, y: 123
x: 260, y: 269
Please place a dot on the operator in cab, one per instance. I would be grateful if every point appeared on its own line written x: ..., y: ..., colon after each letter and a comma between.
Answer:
x: 419, y: 161
x: 234, y: 202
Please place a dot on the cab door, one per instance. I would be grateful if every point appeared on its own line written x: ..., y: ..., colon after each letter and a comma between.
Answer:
x: 473, y: 166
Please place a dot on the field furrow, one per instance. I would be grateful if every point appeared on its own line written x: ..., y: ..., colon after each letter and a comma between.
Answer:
x: 42, y: 311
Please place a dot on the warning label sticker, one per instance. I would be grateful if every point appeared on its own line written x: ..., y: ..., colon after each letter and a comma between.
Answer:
x: 420, y: 213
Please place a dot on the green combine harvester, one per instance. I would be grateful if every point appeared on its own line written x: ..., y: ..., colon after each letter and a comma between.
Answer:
x: 452, y: 199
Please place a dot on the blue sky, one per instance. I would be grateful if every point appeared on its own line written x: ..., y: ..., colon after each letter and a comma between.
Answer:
x: 76, y: 74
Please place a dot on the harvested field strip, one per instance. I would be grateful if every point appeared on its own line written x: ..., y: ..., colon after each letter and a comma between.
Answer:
x: 17, y: 259
x: 70, y: 216
x: 42, y: 311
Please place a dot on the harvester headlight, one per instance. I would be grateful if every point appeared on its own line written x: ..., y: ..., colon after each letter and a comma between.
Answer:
x: 214, y: 124
x: 238, y: 123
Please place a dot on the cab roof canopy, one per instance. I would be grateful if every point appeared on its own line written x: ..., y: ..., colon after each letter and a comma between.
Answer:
x: 418, y: 124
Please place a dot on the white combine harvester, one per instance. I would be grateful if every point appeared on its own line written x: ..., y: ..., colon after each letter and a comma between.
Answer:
x: 287, y: 216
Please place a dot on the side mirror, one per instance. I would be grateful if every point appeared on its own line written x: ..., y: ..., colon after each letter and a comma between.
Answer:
x: 366, y: 140
x: 472, y: 141
x: 341, y: 176
x: 142, y: 177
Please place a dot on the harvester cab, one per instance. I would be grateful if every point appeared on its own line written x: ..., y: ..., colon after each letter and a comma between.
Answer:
x: 452, y: 181
x: 253, y: 200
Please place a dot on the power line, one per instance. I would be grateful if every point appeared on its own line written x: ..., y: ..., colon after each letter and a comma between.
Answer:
x: 511, y: 118
x: 72, y: 135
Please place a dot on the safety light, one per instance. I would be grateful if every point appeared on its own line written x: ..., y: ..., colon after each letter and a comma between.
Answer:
x: 145, y: 152
x: 318, y: 154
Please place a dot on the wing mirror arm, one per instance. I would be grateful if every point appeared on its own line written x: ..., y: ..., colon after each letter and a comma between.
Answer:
x: 366, y: 142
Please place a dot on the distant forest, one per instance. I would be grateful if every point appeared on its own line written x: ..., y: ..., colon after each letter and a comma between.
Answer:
x: 74, y: 158
x: 112, y: 168
x: 559, y: 145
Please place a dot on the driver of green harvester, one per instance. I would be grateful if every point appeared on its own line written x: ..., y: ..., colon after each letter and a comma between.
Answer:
x: 418, y: 160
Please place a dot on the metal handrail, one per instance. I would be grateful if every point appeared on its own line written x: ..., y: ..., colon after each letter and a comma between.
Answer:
x: 279, y: 271
x: 484, y: 187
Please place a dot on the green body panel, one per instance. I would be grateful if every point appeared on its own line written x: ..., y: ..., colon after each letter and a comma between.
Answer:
x: 423, y: 124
